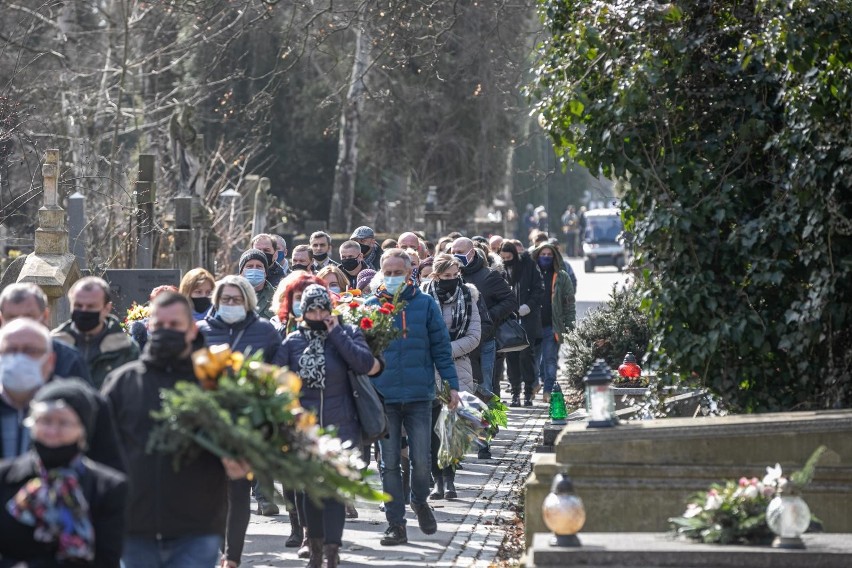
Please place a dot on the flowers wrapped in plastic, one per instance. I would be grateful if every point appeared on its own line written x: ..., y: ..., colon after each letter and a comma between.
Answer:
x: 471, y: 424
x: 375, y: 321
x: 244, y: 409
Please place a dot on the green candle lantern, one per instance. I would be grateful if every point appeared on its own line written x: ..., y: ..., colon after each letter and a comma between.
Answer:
x: 558, y: 412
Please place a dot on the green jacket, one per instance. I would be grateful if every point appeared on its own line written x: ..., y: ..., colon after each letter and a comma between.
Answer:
x: 264, y: 301
x: 110, y: 350
x: 563, y: 301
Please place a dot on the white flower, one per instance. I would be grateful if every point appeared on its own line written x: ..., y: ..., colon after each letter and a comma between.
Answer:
x: 750, y: 492
x: 692, y: 510
x: 714, y: 501
x: 773, y: 475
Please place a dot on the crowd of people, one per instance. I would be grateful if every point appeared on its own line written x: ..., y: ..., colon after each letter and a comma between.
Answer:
x: 78, y: 485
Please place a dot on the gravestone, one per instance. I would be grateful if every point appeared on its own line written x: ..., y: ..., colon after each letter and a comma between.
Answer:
x: 135, y: 285
x: 76, y: 227
x: 145, y: 196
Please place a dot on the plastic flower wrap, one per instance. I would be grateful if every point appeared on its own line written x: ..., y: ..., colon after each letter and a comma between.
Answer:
x: 135, y: 312
x: 244, y: 409
x: 375, y: 321
x: 460, y: 429
x: 735, y: 512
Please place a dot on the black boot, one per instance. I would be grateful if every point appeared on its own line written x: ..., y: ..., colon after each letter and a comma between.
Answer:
x: 296, y: 533
x: 516, y: 400
x: 332, y: 555
x: 315, y: 545
x: 438, y: 491
x: 450, y: 484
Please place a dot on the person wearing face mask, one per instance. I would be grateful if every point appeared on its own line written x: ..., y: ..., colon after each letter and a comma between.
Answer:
x: 302, y: 260
x: 322, y: 351
x: 461, y: 315
x: 234, y: 321
x: 335, y: 279
x: 139, y: 328
x: 287, y: 301
x: 425, y: 270
x: 558, y: 313
x: 94, y: 331
x: 57, y: 506
x: 321, y: 250
x: 528, y: 286
x: 197, y: 285
x: 175, y: 517
x: 281, y: 256
x: 26, y: 300
x: 408, y: 385
x: 268, y: 245
x: 252, y: 267
x: 370, y: 250
x: 352, y: 262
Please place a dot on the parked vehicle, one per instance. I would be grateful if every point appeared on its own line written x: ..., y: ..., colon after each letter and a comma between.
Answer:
x: 603, y: 244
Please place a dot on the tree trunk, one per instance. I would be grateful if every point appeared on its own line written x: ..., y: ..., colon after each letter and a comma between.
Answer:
x: 345, y: 171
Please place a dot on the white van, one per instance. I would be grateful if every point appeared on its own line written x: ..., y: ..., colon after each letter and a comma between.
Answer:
x: 602, y: 242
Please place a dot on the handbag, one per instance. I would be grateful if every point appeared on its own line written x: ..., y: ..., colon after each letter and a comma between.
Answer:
x: 511, y: 336
x: 370, y: 407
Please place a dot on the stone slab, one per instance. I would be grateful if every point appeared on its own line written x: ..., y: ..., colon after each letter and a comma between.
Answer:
x: 135, y: 285
x: 660, y: 550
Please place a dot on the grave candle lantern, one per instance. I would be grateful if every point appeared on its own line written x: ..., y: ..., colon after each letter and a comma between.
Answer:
x: 629, y: 369
x: 600, y: 402
x: 563, y: 512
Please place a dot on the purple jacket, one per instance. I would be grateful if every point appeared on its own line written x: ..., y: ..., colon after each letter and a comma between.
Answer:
x: 345, y: 349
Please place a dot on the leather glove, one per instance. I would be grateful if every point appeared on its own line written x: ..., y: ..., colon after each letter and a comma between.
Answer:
x: 524, y: 310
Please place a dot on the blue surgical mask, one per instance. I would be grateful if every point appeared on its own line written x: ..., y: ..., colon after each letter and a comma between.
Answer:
x: 334, y: 288
x: 394, y: 283
x: 545, y: 261
x: 297, y: 309
x: 279, y: 257
x: 254, y: 275
x: 462, y: 258
x: 231, y: 314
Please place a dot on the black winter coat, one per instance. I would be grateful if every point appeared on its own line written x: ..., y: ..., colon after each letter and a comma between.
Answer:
x: 528, y: 285
x: 163, y: 502
x: 493, y: 291
x: 105, y: 491
x: 345, y: 348
x: 251, y: 334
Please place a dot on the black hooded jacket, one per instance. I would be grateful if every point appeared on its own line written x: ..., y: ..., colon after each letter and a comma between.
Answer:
x: 493, y: 291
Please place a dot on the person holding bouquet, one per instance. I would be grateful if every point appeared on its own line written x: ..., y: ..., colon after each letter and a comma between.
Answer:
x: 458, y: 303
x: 322, y: 351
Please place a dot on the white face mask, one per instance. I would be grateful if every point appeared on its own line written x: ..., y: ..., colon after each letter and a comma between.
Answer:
x: 21, y: 373
x: 231, y: 314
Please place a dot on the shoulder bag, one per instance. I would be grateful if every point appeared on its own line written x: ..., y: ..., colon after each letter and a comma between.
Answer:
x: 370, y: 407
x: 511, y: 336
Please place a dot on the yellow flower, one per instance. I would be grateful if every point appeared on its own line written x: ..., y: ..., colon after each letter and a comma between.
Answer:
x: 288, y: 381
x: 305, y: 420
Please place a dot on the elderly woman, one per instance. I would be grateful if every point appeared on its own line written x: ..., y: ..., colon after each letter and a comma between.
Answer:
x: 197, y: 285
x: 233, y: 320
x: 323, y: 351
x: 57, y: 507
x: 458, y: 306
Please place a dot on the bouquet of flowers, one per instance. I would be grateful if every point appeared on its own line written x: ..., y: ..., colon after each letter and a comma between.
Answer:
x: 244, y: 409
x: 135, y: 313
x: 375, y: 320
x: 735, y: 512
x: 467, y: 426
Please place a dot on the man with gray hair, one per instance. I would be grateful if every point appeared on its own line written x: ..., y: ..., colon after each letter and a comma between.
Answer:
x: 26, y: 364
x: 94, y: 330
x: 26, y: 300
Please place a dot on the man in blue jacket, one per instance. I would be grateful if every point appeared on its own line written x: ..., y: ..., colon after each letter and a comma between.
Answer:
x: 408, y: 385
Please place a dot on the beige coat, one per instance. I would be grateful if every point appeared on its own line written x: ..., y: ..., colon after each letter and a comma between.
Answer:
x: 463, y: 346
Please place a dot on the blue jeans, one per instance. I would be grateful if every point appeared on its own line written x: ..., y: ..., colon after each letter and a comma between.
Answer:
x: 549, y: 359
x: 487, y: 355
x: 198, y: 551
x: 416, y: 417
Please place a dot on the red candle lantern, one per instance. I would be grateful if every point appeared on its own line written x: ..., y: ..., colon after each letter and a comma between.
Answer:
x: 629, y: 369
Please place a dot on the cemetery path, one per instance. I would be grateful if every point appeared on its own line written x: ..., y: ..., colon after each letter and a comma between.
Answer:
x: 470, y: 528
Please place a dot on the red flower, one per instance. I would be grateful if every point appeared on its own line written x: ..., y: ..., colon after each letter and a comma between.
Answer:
x: 388, y: 306
x: 366, y: 323
x: 354, y: 305
x: 384, y: 311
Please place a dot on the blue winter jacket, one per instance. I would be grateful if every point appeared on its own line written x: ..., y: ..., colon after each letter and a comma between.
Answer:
x: 345, y: 348
x: 251, y: 334
x: 411, y: 360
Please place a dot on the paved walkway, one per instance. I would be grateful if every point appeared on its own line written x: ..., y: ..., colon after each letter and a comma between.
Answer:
x: 469, y: 532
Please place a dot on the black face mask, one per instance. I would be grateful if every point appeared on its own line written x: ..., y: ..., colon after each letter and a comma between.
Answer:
x: 269, y: 258
x: 296, y: 267
x: 166, y: 344
x: 449, y: 287
x: 59, y: 456
x: 321, y: 256
x: 85, y: 321
x: 316, y: 325
x: 201, y: 304
x: 365, y: 249
x: 350, y: 264
x: 509, y: 263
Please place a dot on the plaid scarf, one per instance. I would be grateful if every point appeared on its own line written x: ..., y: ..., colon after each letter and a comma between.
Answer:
x: 462, y: 307
x: 54, y: 504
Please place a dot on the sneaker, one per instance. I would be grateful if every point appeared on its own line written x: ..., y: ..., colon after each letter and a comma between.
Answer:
x: 425, y: 518
x: 394, y: 535
x: 516, y: 401
x: 351, y: 512
x: 484, y: 453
